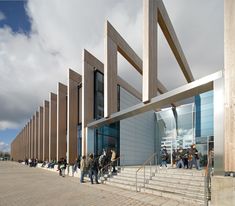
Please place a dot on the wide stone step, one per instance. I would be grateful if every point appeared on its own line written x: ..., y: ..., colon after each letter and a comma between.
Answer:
x: 134, y: 169
x: 178, y: 181
x: 186, y: 172
x: 169, y: 188
x: 196, y: 188
x: 120, y: 181
x: 177, y: 176
x: 133, y: 175
x: 126, y: 178
x: 181, y: 198
x: 124, y: 186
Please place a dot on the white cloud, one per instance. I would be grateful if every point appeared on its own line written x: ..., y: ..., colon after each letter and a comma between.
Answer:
x: 8, y: 125
x: 4, y: 147
x: 31, y: 66
x: 2, y: 16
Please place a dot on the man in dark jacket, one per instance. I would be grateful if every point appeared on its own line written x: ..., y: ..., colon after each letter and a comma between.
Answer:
x: 164, y: 156
x: 93, y: 168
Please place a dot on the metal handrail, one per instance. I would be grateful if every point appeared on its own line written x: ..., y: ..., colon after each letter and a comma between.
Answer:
x: 143, y: 166
x: 207, y: 179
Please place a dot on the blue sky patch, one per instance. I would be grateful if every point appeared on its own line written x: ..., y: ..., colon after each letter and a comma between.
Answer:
x: 15, y: 16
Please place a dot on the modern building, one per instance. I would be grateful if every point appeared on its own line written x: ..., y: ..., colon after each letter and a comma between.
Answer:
x: 99, y: 110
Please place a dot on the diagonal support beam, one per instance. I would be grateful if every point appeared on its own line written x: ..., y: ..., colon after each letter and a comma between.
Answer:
x: 121, y: 46
x: 149, y: 86
x: 171, y: 37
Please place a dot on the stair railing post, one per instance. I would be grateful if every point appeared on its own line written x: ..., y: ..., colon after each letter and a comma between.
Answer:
x: 144, y: 175
x: 136, y: 181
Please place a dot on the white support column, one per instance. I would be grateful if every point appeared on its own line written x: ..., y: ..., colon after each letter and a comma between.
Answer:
x: 150, y: 13
x: 229, y: 64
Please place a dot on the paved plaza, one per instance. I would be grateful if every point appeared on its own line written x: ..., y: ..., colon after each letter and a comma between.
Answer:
x: 21, y: 185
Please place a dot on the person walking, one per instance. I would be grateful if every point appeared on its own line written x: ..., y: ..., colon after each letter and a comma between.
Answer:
x: 174, y: 154
x: 76, y: 165
x: 113, y: 160
x: 92, y: 165
x: 180, y: 162
x: 196, y: 159
x: 82, y: 168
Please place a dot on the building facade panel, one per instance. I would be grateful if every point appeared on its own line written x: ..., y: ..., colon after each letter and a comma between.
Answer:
x: 74, y: 81
x: 61, y: 121
x: 46, y: 131
x: 136, y: 133
x: 52, y: 126
x: 40, y: 134
x: 36, y: 136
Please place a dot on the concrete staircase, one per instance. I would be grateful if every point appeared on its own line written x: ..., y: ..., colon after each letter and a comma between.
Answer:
x: 180, y: 184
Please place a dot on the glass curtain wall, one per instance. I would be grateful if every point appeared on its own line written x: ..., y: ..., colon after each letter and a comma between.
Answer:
x: 175, y: 128
x: 79, y: 140
x: 204, y: 124
x: 79, y: 126
x: 106, y: 137
x: 189, y: 124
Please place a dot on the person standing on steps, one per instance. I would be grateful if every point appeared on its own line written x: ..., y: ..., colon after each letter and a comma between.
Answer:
x: 195, y: 155
x: 92, y: 165
x: 113, y: 159
x: 174, y: 153
x: 180, y: 155
x: 164, y: 157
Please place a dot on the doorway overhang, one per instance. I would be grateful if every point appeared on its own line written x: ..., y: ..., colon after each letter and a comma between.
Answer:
x: 183, y: 92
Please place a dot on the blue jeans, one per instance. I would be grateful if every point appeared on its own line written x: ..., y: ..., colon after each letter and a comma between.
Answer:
x: 82, y: 176
x: 63, y: 172
x: 74, y: 169
x: 91, y: 173
x: 163, y: 163
x: 180, y: 164
x: 195, y: 162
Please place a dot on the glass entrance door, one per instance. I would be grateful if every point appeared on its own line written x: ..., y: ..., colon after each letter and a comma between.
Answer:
x: 204, y: 145
x: 107, y: 138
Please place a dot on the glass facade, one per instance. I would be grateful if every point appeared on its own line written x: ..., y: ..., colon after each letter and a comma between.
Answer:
x: 175, y: 128
x: 188, y: 124
x: 79, y: 140
x: 204, y: 124
x: 108, y: 136
x: 79, y: 126
x: 205, y: 116
x: 98, y: 95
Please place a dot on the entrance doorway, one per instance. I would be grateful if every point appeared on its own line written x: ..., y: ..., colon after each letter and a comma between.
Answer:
x: 107, y: 138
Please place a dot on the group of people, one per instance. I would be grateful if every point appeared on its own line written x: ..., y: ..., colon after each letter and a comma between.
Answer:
x: 31, y: 162
x: 182, y: 158
x: 91, y: 165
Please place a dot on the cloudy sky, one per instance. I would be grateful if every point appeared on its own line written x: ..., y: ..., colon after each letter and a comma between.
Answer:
x: 40, y: 40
